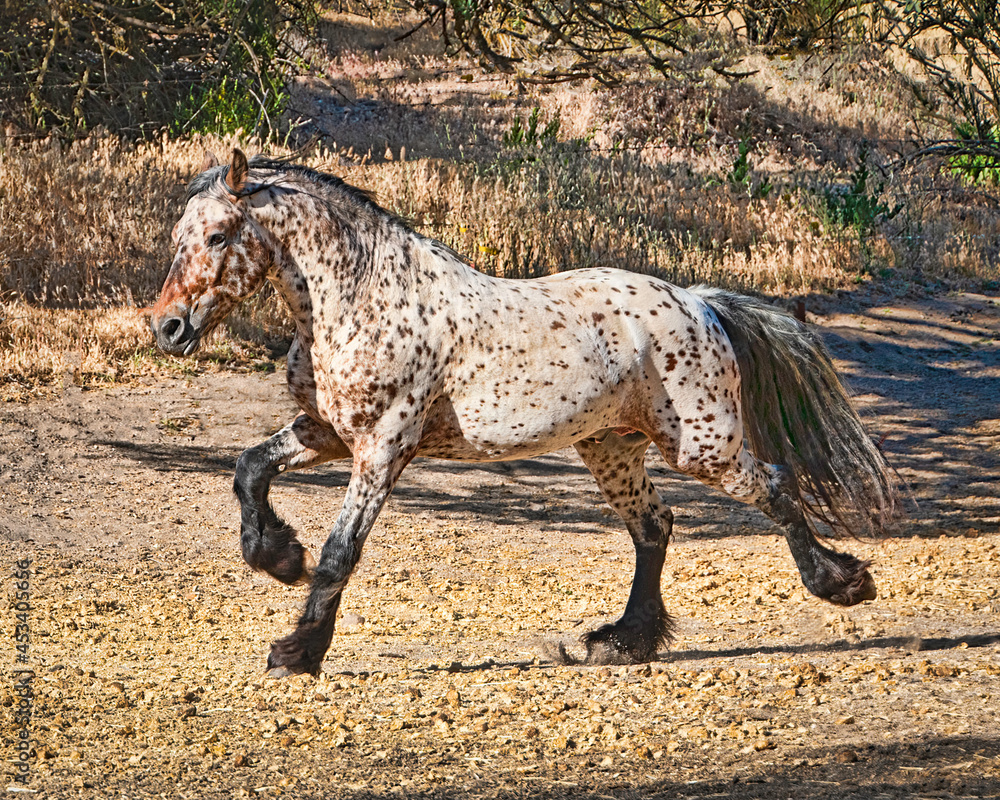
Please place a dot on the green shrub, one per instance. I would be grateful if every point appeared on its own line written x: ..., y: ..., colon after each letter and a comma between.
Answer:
x: 139, y: 68
x: 859, y: 205
x: 521, y: 135
x: 740, y: 175
x: 978, y: 158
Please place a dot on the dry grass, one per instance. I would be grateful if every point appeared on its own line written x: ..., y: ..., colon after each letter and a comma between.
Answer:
x: 641, y: 185
x: 84, y: 224
x: 42, y: 350
x: 86, y: 245
x: 42, y: 347
x: 570, y: 209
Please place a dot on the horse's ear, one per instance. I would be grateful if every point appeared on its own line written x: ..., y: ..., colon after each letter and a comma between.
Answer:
x: 209, y: 161
x: 237, y: 175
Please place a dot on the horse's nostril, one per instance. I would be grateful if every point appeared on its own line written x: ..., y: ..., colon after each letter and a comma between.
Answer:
x: 172, y: 329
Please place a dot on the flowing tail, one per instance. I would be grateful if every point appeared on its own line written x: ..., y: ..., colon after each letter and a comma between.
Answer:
x: 797, y: 413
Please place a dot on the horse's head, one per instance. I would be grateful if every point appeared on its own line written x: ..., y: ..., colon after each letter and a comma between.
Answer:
x: 221, y: 258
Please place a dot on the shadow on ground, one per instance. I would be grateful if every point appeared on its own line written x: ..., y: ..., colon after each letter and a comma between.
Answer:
x: 942, y: 766
x: 911, y: 644
x: 555, y: 492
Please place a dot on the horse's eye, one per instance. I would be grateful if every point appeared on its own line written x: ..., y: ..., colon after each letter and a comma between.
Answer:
x: 217, y: 239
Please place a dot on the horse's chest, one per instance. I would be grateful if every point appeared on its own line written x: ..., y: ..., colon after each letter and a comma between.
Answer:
x: 355, y: 385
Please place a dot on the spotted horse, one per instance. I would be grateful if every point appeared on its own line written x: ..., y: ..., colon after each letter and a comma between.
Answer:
x: 402, y: 349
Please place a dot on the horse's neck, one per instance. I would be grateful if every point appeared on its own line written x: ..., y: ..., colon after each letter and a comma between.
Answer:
x: 332, y: 266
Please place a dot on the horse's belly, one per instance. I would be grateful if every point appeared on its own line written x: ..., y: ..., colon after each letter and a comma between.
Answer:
x: 469, y: 431
x: 459, y: 449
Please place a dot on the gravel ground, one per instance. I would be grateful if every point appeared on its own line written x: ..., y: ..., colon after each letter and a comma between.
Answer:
x: 148, y: 634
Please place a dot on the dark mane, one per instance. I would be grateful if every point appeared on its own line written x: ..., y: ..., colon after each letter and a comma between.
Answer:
x: 204, y: 181
x: 208, y: 179
x: 359, y: 196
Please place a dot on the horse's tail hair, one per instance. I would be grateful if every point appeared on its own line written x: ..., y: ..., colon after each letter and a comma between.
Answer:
x: 797, y: 414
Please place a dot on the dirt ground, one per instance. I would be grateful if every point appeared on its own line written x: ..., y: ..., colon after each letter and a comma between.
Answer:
x: 148, y: 634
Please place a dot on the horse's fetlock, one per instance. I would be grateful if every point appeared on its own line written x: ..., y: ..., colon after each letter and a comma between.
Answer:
x: 634, y: 639
x: 841, y: 579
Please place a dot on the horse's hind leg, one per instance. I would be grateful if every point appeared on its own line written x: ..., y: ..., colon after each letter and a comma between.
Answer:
x: 269, y: 543
x: 838, y: 577
x: 617, y: 463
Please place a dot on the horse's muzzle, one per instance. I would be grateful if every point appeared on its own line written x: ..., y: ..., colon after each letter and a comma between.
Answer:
x: 176, y: 335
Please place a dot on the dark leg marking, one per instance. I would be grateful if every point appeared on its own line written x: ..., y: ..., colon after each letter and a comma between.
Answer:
x: 617, y: 463
x: 372, y: 480
x: 269, y: 543
x: 303, y: 650
x: 838, y: 577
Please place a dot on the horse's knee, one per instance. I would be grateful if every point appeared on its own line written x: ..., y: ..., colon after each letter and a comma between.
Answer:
x: 666, y: 519
x: 251, y: 479
x: 650, y: 533
x: 243, y: 462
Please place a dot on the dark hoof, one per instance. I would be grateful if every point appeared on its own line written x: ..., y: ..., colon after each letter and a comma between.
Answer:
x: 604, y: 647
x: 277, y: 551
x: 631, y: 640
x: 281, y: 672
x: 289, y: 657
x: 842, y: 579
x: 616, y: 644
x: 860, y: 589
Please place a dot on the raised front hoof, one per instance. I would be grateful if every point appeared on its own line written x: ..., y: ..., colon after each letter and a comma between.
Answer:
x: 278, y: 553
x: 288, y: 657
x: 860, y: 589
x: 293, y: 567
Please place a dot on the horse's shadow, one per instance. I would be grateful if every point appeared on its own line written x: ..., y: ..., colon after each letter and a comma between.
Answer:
x: 554, y: 491
x: 548, y: 661
x: 911, y: 644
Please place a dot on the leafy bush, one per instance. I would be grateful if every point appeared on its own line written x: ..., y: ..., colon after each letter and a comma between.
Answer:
x: 965, y: 85
x: 860, y: 205
x: 976, y: 159
x: 138, y: 68
x: 740, y: 175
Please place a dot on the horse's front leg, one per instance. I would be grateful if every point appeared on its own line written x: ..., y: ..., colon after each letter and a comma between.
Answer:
x: 269, y: 543
x: 377, y: 465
